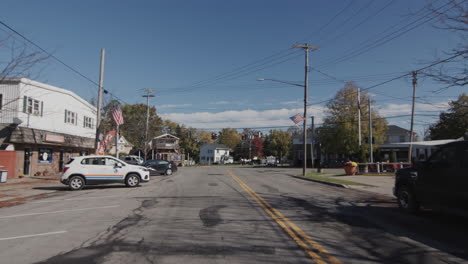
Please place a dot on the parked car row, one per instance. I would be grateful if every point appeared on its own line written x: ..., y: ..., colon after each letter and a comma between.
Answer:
x: 95, y: 169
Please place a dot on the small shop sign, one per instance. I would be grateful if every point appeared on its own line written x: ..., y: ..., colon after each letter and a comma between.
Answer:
x: 54, y: 138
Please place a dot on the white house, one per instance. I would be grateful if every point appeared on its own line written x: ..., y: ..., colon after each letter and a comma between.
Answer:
x: 124, y: 146
x: 213, y: 153
x: 44, y: 125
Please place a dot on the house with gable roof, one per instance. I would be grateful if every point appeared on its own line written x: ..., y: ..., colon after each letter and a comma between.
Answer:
x: 166, y: 147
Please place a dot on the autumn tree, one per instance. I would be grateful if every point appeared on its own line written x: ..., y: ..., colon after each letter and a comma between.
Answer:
x: 203, y: 137
x: 453, y: 123
x: 339, y: 132
x: 229, y: 137
x: 257, y: 146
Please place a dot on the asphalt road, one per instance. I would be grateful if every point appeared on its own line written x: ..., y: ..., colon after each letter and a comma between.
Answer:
x: 226, y: 215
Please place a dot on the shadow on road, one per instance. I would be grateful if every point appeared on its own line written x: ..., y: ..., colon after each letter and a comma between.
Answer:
x: 87, y: 187
x: 374, y: 229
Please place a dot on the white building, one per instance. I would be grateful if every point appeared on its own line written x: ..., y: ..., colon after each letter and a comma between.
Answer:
x: 124, y: 146
x: 213, y: 153
x: 44, y: 125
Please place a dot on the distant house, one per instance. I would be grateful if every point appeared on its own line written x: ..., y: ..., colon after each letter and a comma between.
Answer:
x: 124, y: 146
x: 214, y: 153
x: 393, y: 136
x: 396, y: 134
x: 166, y: 147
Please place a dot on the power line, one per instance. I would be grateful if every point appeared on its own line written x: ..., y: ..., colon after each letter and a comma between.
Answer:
x: 387, y: 38
x: 47, y: 53
x: 58, y: 60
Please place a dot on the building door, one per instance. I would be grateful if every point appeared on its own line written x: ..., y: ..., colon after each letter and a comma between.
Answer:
x: 27, y: 161
x: 61, y: 161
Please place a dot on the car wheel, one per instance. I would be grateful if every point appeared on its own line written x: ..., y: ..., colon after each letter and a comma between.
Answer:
x: 169, y: 172
x: 132, y: 180
x: 76, y: 183
x: 406, y: 200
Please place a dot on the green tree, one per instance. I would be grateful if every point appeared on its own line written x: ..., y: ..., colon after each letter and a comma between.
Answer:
x: 134, y: 126
x: 339, y: 132
x: 454, y: 122
x: 229, y: 137
x: 278, y: 143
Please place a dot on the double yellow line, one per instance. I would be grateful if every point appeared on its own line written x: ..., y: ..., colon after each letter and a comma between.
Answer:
x: 312, y: 248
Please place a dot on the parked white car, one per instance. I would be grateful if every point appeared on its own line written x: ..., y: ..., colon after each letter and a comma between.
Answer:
x: 90, y: 170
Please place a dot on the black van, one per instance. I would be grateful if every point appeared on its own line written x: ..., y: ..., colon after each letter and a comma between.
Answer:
x: 441, y: 182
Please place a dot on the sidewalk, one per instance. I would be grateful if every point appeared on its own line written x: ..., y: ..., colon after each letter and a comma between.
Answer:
x: 19, y: 191
x: 376, y: 184
x: 381, y: 184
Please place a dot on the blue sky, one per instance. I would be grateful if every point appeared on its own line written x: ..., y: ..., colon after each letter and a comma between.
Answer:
x: 202, y: 58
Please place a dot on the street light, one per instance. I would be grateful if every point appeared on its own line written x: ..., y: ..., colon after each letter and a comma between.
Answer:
x: 304, y: 144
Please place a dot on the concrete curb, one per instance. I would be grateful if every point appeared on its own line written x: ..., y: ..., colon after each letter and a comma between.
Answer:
x: 323, y: 182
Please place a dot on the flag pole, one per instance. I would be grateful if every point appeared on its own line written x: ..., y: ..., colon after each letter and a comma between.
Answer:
x: 117, y: 134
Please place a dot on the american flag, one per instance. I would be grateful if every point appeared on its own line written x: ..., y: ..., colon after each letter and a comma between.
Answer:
x: 117, y: 116
x: 297, y: 118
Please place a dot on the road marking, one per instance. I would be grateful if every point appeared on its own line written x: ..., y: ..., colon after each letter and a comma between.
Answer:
x: 35, y: 235
x: 291, y: 229
x: 61, y: 211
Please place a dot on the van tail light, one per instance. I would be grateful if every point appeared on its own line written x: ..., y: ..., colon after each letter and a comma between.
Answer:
x: 65, y: 169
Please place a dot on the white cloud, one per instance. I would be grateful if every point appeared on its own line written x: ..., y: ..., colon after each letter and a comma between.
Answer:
x: 222, y: 103
x: 403, y: 109
x: 296, y: 102
x: 243, y: 118
x: 174, y: 105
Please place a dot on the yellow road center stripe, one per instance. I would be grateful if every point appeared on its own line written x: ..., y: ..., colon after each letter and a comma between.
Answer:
x: 292, y: 230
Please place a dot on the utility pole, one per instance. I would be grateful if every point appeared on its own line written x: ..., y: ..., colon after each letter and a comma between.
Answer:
x: 249, y: 136
x: 148, y: 95
x: 312, y: 140
x: 370, y: 133
x: 359, y: 116
x: 415, y: 83
x: 306, y: 84
x: 99, y: 106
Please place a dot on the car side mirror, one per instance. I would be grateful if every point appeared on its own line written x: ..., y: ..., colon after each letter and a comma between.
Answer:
x: 118, y: 165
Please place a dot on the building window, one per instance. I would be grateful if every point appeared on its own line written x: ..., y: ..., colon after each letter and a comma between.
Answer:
x: 88, y: 122
x: 402, y: 139
x: 32, y: 106
x: 71, y: 117
x: 1, y: 101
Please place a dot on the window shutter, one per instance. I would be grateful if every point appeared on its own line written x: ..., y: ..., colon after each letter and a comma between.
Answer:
x: 65, y: 115
x: 42, y: 108
x: 25, y: 103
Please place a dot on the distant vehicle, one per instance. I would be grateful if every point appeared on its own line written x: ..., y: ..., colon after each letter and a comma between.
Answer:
x: 132, y: 159
x: 160, y: 167
x: 228, y: 160
x: 90, y: 170
x: 272, y: 161
x: 441, y: 182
